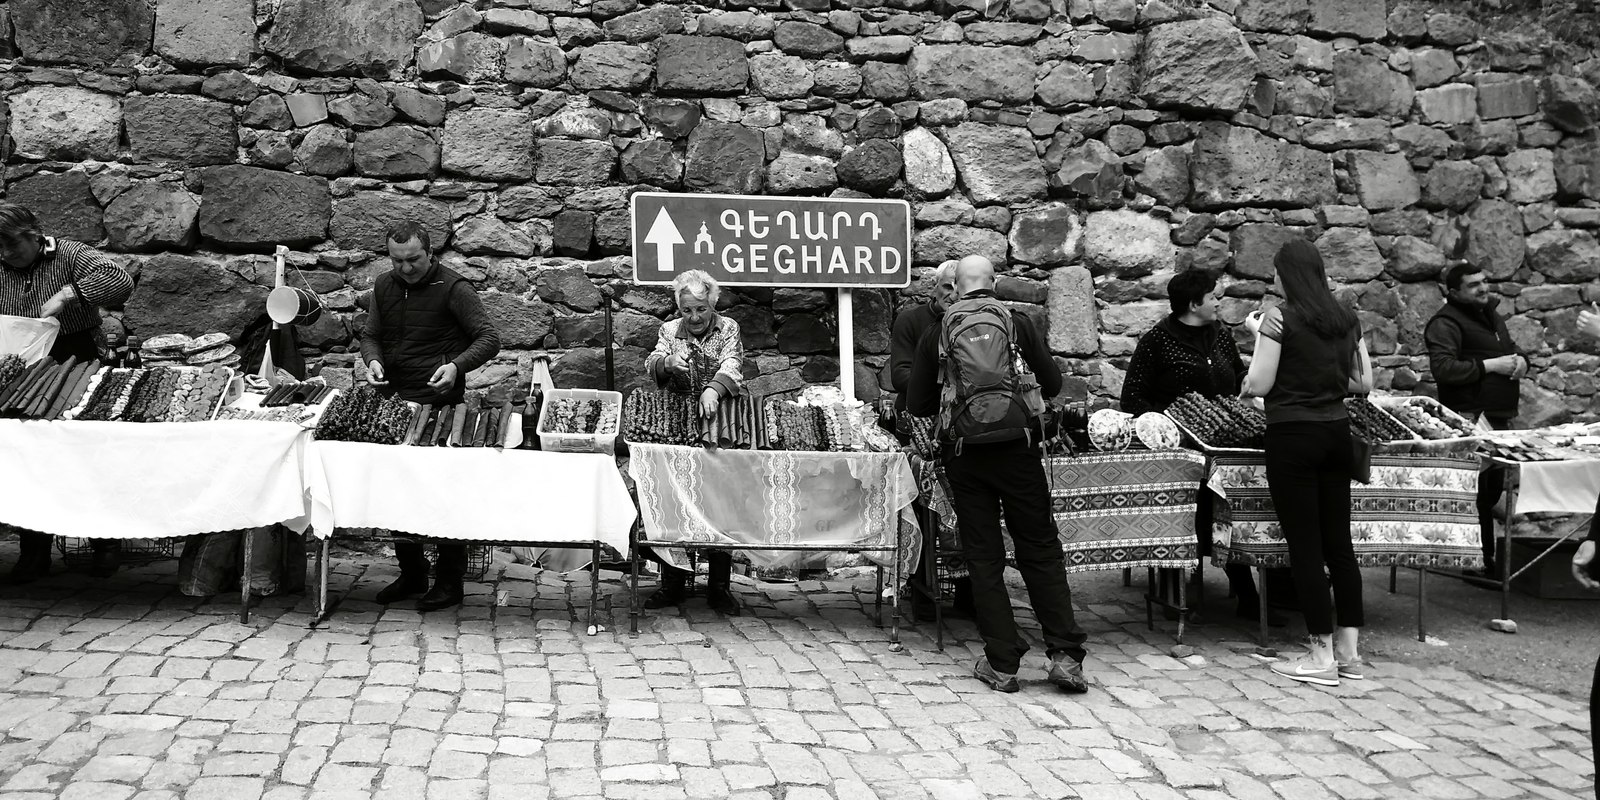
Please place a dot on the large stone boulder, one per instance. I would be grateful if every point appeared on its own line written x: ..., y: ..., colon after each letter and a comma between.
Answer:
x: 655, y: 162
x: 1127, y: 244
x: 86, y: 32
x: 188, y: 130
x: 569, y: 286
x: 647, y: 24
x: 1564, y: 256
x: 807, y: 39
x: 250, y: 207
x: 973, y: 74
x: 1350, y: 254
x: 1530, y: 176
x: 797, y: 173
x: 1451, y: 104
x: 1365, y: 86
x: 1201, y: 64
x: 1275, y: 16
x: 521, y: 324
x: 574, y: 163
x: 1383, y: 180
x: 1254, y: 245
x: 489, y: 143
x: 324, y: 151
x: 1046, y: 237
x: 1414, y: 259
x: 1074, y: 330
x: 491, y: 236
x: 725, y: 157
x: 354, y: 37
x: 1577, y: 166
x: 997, y: 164
x: 534, y: 63
x: 945, y: 242
x: 192, y: 296
x: 1452, y: 185
x: 1494, y: 238
x: 806, y: 333
x: 776, y: 76
x: 873, y: 166
x: 1064, y: 84
x: 1234, y: 166
x: 929, y: 171
x: 398, y: 151
x: 65, y: 123
x: 362, y: 220
x: 206, y: 31
x: 472, y: 57
x: 1166, y: 175
x: 1501, y: 96
x: 63, y: 202
x: 1570, y: 104
x: 618, y: 67
x: 701, y: 65
x: 152, y: 216
x: 1362, y: 19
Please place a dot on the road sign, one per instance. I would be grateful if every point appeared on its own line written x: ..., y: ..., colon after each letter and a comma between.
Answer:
x: 772, y: 241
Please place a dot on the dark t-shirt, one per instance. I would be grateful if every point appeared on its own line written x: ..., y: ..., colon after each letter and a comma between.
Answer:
x: 1313, y: 372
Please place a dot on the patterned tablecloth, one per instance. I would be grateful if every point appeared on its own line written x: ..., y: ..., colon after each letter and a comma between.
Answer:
x: 782, y: 497
x: 1419, y: 511
x: 1133, y: 508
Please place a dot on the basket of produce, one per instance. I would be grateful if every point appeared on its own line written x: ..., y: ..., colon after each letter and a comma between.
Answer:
x: 1221, y: 425
x: 1439, y: 429
x: 1375, y: 426
x: 580, y: 421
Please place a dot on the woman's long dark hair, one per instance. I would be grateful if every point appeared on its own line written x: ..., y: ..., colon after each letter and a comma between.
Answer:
x: 1305, y: 289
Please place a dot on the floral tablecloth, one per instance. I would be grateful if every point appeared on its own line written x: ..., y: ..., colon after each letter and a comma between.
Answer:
x: 1419, y: 511
x: 781, y: 497
x: 1133, y: 508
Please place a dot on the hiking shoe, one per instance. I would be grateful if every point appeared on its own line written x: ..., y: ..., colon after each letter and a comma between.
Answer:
x: 1067, y: 673
x: 1350, y: 670
x: 1307, y: 671
x: 998, y: 681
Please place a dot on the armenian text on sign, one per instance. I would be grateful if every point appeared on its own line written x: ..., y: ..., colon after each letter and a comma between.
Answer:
x: 772, y: 241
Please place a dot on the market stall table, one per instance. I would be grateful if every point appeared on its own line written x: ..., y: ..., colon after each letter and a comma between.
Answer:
x: 123, y: 480
x: 778, y: 505
x: 1568, y: 486
x: 1420, y: 511
x: 520, y: 497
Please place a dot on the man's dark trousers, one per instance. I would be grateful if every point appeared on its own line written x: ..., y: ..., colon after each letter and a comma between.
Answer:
x: 1491, y: 486
x: 1009, y: 478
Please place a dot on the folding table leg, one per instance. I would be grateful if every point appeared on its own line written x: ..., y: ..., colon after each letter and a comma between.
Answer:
x: 322, y: 578
x: 1183, y: 602
x: 1261, y: 580
x: 1152, y: 586
x: 594, y: 584
x: 1422, y: 599
x: 244, y: 577
x: 1394, y: 569
x: 894, y: 630
x: 1505, y: 549
x: 633, y: 590
x: 1127, y: 577
x: 877, y: 597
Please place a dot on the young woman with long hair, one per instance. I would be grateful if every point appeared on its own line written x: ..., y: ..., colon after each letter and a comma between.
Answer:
x: 1309, y: 356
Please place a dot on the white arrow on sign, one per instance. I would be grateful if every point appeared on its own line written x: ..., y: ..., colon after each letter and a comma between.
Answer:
x: 664, y: 235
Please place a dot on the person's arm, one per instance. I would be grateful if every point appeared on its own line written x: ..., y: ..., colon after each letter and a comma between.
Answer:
x: 730, y: 359
x: 1136, y: 384
x: 1586, y: 552
x: 922, y: 393
x: 1443, y: 339
x: 1361, y: 376
x: 1037, y: 356
x: 1236, y: 361
x: 96, y: 281
x: 371, y: 336
x: 473, y: 319
x: 1264, y: 364
x: 656, y: 362
x: 902, y: 351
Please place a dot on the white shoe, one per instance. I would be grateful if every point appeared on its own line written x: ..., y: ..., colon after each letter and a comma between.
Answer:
x: 1307, y: 671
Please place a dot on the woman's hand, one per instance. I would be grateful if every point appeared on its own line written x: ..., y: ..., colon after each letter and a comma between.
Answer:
x: 677, y: 365
x: 1589, y: 321
x: 708, y: 402
x: 1252, y: 321
x: 1580, y: 565
x: 57, y: 303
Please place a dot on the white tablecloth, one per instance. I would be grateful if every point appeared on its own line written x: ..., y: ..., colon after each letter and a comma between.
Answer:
x: 119, y: 480
x: 469, y: 493
x: 1568, y: 487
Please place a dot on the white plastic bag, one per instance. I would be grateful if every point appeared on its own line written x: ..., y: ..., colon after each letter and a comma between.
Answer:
x: 28, y: 337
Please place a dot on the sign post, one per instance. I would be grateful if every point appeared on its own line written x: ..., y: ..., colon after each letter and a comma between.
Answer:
x: 792, y: 242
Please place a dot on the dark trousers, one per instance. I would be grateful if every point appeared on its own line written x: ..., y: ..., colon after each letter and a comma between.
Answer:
x: 1491, y: 485
x: 986, y: 482
x: 1594, y: 716
x: 1308, y: 474
x: 452, y: 564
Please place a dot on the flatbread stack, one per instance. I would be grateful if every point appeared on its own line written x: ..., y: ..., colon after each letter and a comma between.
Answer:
x: 178, y: 350
x: 165, y: 350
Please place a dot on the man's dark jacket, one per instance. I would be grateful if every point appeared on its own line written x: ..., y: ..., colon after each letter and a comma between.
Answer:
x: 906, y: 333
x: 1459, y: 339
x: 414, y: 330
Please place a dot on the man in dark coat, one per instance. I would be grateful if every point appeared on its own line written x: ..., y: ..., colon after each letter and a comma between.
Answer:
x: 425, y: 331
x: 1478, y: 370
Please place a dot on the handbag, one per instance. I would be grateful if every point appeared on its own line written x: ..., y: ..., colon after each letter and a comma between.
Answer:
x: 1360, y: 460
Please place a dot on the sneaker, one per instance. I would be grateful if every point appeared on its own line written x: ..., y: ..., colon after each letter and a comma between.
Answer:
x: 998, y: 681
x: 1305, y: 671
x: 1067, y: 673
x: 1350, y: 670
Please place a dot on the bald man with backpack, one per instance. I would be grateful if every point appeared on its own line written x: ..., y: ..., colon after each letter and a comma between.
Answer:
x: 986, y: 374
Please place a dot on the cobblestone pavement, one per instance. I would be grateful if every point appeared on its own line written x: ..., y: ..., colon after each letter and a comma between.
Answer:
x: 125, y: 689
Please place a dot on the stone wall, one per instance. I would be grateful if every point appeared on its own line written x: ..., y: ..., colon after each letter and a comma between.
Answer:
x: 1093, y: 147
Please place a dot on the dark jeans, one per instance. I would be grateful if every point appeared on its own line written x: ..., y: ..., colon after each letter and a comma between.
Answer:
x: 1491, y: 485
x: 1308, y: 473
x: 1594, y: 714
x: 452, y: 564
x: 986, y: 482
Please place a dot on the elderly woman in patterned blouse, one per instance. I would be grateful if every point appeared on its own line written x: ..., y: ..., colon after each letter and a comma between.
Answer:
x: 700, y: 354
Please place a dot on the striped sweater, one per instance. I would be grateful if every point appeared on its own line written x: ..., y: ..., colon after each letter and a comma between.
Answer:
x: 97, y: 282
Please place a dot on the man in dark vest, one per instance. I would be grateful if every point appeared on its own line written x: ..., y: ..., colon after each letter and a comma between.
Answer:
x: 1477, y: 368
x: 425, y: 331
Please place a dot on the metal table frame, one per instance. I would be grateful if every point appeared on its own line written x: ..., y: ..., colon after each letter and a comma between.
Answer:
x: 1503, y: 546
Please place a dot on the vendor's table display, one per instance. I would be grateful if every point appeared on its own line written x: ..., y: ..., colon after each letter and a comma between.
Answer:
x: 777, y: 505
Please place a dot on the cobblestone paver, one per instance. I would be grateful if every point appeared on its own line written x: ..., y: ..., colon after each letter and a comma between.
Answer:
x: 124, y: 689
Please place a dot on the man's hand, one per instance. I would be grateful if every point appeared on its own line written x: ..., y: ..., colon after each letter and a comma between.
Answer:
x: 1580, y: 565
x: 443, y: 378
x: 1502, y: 365
x: 57, y: 303
x: 375, y: 374
x: 1589, y: 321
x: 708, y: 402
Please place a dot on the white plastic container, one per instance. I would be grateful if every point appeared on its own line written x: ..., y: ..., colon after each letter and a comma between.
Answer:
x: 610, y: 406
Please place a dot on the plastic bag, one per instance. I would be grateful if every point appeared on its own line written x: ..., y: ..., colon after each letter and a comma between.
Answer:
x: 28, y: 337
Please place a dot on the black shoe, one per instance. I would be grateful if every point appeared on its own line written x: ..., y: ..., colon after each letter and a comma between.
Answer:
x: 402, y: 588
x: 103, y: 561
x: 1067, y: 673
x: 723, y: 601
x: 998, y: 681
x: 670, y: 593
x: 444, y: 594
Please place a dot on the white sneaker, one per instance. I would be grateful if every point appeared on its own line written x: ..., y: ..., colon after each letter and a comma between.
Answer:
x: 1307, y: 671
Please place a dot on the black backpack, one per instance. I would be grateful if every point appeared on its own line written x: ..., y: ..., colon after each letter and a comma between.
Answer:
x: 988, y: 393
